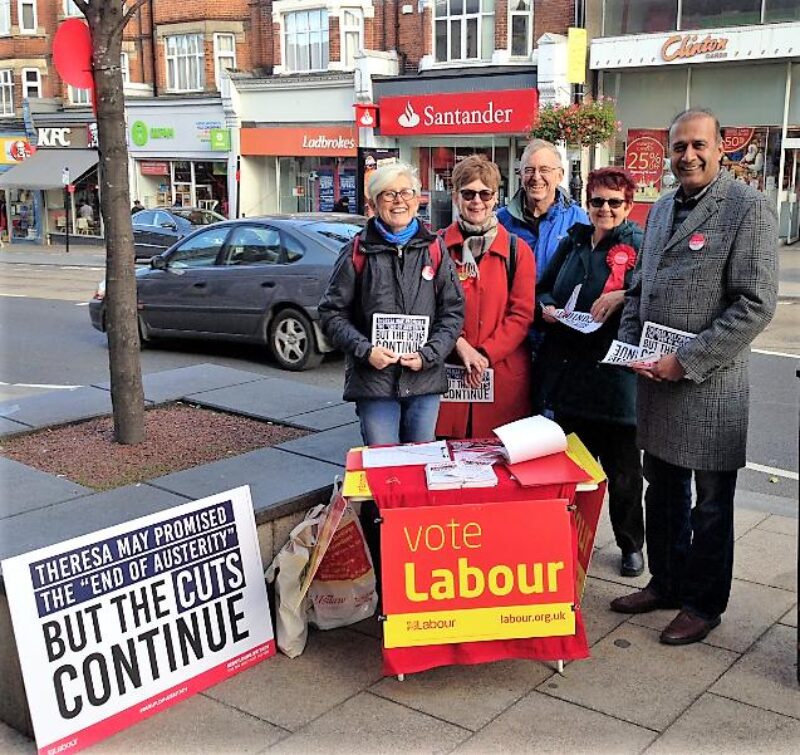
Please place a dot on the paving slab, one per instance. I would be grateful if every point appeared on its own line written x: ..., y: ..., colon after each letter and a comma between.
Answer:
x: 292, y: 692
x: 326, y: 419
x: 766, y: 676
x: 170, y: 385
x: 753, y: 608
x: 199, y: 724
x: 768, y: 558
x: 279, y: 481
x: 330, y: 445
x: 790, y: 617
x: 78, y: 516
x: 370, y: 724
x: 631, y: 676
x: 598, y: 618
x: 14, y: 743
x: 468, y: 696
x: 547, y: 726
x: 270, y: 399
x: 783, y: 525
x: 58, y: 407
x: 714, y: 725
x: 25, y: 488
x: 605, y: 565
x: 745, y: 519
x: 9, y: 427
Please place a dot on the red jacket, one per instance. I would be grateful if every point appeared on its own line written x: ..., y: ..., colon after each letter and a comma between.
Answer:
x: 496, y: 321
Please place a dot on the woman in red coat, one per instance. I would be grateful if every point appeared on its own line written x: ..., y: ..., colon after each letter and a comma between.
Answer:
x: 498, y: 284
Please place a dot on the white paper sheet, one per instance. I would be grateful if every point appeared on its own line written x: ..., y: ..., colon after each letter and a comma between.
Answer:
x: 531, y: 437
x: 458, y: 390
x: 656, y: 341
x: 405, y: 455
x: 403, y: 334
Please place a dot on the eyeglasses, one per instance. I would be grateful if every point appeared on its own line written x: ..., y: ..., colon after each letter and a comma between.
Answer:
x: 544, y: 172
x: 598, y: 202
x: 390, y: 196
x: 469, y: 194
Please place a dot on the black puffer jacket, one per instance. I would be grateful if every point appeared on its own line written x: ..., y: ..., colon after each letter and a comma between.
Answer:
x: 391, y: 282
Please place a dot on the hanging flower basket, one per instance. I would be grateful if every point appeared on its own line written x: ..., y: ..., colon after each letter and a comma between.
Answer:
x: 584, y: 124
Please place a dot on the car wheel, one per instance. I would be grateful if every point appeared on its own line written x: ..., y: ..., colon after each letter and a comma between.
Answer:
x: 291, y: 340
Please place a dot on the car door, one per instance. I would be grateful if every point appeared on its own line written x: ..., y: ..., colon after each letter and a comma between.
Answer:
x: 242, y: 289
x: 176, y: 299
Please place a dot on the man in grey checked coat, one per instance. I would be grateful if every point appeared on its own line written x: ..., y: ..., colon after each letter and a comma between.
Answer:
x: 708, y: 265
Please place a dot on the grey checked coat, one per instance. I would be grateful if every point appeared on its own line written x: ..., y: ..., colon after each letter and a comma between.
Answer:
x: 724, y: 292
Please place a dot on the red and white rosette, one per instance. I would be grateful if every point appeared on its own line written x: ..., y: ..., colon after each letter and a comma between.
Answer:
x: 620, y: 259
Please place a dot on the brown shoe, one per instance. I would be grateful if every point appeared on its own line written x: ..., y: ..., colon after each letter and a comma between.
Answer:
x: 687, y: 628
x: 642, y: 601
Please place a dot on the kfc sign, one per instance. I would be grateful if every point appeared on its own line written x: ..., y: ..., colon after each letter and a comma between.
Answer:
x: 508, y: 111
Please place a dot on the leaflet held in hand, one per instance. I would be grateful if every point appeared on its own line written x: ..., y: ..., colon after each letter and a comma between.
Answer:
x: 403, y: 334
x: 583, y: 322
x: 656, y: 341
x: 458, y: 390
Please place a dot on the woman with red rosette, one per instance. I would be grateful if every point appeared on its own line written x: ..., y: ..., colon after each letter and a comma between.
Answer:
x: 596, y: 401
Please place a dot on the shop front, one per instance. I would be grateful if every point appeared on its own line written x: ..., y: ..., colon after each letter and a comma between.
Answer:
x: 181, y: 154
x: 749, y: 77
x: 437, y: 121
x: 312, y: 167
x: 16, y: 212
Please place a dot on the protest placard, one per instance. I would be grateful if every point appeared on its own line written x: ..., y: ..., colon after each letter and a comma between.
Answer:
x: 403, y: 334
x: 458, y: 390
x: 116, y: 625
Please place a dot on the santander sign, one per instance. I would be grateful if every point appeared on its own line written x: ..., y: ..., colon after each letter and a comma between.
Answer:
x: 504, y: 111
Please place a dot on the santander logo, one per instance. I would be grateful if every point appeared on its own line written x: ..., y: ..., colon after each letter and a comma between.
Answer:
x: 408, y: 118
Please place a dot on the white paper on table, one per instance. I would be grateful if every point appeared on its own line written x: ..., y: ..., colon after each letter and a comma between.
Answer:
x: 531, y: 437
x: 403, y: 334
x: 405, y: 455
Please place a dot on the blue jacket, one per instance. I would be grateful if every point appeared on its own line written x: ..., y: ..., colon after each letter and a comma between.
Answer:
x: 553, y: 227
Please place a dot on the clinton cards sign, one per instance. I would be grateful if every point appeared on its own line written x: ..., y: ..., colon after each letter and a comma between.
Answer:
x: 116, y: 625
x: 506, y: 111
x: 477, y: 572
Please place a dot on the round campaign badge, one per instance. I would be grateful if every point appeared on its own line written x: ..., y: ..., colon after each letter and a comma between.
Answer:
x: 427, y: 273
x: 697, y: 242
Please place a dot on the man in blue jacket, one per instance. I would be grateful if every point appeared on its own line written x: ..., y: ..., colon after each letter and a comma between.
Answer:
x: 541, y: 212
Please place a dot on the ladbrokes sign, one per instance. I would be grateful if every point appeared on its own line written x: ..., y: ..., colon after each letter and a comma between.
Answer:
x: 508, y: 111
x: 304, y: 141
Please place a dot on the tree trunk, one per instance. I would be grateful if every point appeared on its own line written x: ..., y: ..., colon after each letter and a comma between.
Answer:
x: 127, y: 395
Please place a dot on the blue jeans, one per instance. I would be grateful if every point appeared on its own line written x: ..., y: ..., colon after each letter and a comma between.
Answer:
x: 388, y: 421
x: 690, y: 550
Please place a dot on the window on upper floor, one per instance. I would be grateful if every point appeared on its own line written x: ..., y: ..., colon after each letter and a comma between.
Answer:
x: 464, y: 30
x: 185, y: 63
x: 5, y: 18
x: 520, y: 24
x: 124, y: 67
x: 79, y: 96
x: 6, y: 92
x: 224, y: 55
x: 351, y: 24
x: 643, y: 16
x: 70, y: 9
x: 305, y: 40
x: 26, y: 15
x: 31, y: 83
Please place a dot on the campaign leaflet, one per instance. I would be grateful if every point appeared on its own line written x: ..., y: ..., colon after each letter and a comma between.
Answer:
x: 583, y: 322
x: 458, y: 390
x: 118, y: 624
x: 656, y: 341
x: 403, y: 334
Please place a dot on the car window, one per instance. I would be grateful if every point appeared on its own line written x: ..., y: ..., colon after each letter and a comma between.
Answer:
x: 144, y: 217
x: 161, y: 218
x: 293, y: 249
x: 199, y: 217
x: 200, y: 250
x: 334, y: 234
x: 253, y: 245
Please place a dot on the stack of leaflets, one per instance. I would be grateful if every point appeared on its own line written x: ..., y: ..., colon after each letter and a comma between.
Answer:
x: 452, y: 475
x: 481, y: 450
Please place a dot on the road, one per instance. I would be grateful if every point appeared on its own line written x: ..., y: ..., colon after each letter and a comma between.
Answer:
x: 47, y: 343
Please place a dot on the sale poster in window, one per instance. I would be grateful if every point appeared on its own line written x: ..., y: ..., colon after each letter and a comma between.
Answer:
x: 744, y: 148
x: 646, y: 159
x: 325, y: 191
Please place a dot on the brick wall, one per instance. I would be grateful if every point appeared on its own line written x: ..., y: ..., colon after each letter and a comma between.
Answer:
x: 416, y: 36
x: 554, y: 16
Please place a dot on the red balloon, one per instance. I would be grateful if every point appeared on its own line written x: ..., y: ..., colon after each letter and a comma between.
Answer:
x: 72, y: 53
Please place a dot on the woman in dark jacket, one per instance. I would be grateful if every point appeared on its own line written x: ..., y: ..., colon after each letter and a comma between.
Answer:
x: 596, y: 401
x: 396, y: 270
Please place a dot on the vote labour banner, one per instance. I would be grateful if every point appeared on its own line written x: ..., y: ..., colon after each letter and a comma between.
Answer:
x: 477, y: 572
x: 113, y: 626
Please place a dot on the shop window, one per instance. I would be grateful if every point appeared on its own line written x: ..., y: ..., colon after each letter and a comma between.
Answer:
x: 31, y: 83
x: 521, y: 26
x: 464, y: 30
x: 6, y: 92
x: 776, y: 11
x: 5, y: 18
x: 705, y: 14
x: 305, y: 40
x: 70, y: 9
x: 78, y: 96
x: 224, y: 55
x: 352, y: 26
x: 185, y: 63
x: 124, y: 67
x: 639, y: 16
x: 26, y: 15
x: 254, y: 245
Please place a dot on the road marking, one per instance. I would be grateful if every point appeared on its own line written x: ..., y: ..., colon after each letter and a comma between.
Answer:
x: 788, y: 474
x: 14, y: 296
x: 775, y: 353
x: 42, y: 385
x: 81, y: 303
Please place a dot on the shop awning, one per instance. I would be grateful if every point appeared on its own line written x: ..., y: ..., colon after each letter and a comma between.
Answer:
x: 44, y: 168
